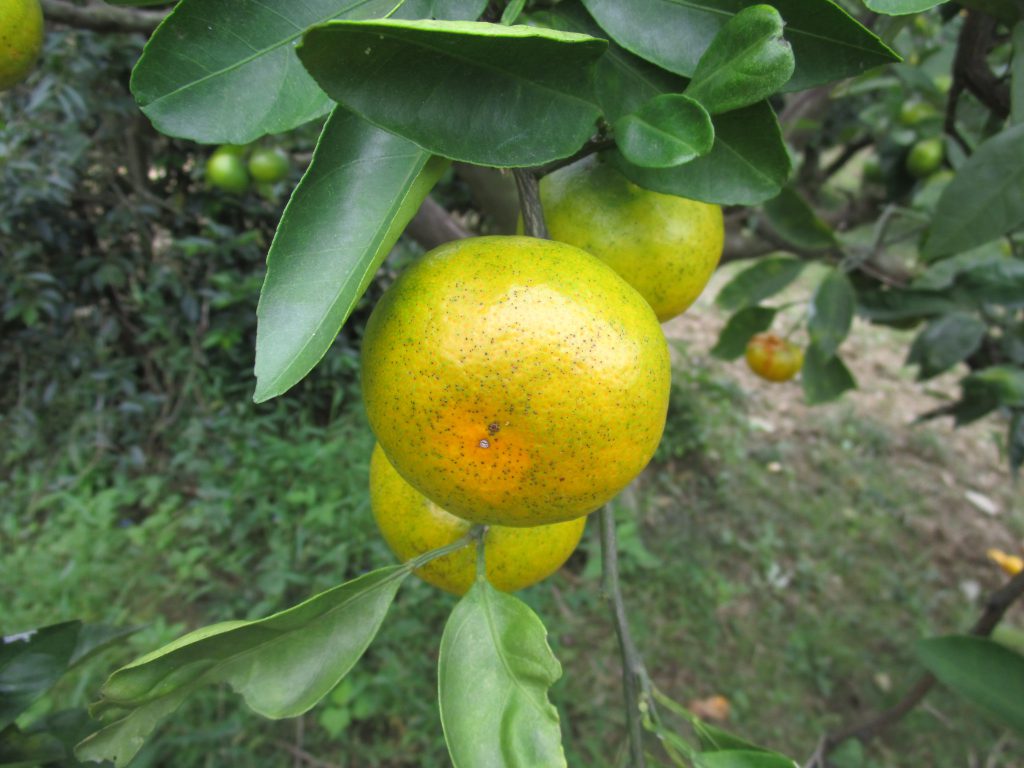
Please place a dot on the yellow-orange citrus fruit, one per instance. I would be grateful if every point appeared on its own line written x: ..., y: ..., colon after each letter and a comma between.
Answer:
x: 21, y: 39
x: 665, y: 246
x: 774, y: 358
x: 515, y: 381
x: 412, y: 524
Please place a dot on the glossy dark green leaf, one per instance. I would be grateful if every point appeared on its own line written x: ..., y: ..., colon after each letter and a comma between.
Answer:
x: 901, y: 7
x: 30, y: 663
x: 765, y: 277
x: 828, y: 43
x: 824, y: 377
x: 897, y: 306
x: 985, y: 199
x: 982, y: 671
x: 667, y: 131
x: 737, y: 758
x: 797, y: 223
x: 748, y: 61
x: 747, y: 164
x: 831, y: 312
x: 622, y: 82
x: 452, y: 10
x: 360, y: 190
x: 945, y: 342
x: 96, y: 638
x: 225, y: 71
x: 1015, y: 441
x: 469, y: 91
x: 494, y: 673
x: 281, y: 665
x: 732, y: 341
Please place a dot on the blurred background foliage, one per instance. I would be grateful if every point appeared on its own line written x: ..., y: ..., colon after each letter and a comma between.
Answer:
x: 141, y: 487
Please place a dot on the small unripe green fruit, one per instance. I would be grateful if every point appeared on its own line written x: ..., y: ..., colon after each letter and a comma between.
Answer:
x: 925, y: 157
x: 226, y: 170
x: 268, y: 165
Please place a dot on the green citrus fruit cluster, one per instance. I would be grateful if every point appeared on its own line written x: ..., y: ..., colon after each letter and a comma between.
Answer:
x: 21, y: 39
x: 512, y: 382
x: 228, y: 170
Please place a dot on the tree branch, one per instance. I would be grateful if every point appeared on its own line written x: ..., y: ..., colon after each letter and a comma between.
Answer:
x: 995, y: 608
x: 101, y: 18
x: 433, y: 225
x: 633, y: 672
x: 529, y: 203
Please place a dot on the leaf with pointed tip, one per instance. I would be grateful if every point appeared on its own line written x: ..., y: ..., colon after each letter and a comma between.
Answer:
x: 494, y: 674
x: 824, y: 377
x: 945, y: 342
x: 667, y: 131
x: 360, y: 190
x: 468, y: 91
x: 764, y: 278
x: 748, y: 162
x: 225, y: 71
x: 281, y: 665
x: 748, y: 61
x: 797, y: 223
x: 985, y: 199
x: 741, y: 328
x: 828, y: 43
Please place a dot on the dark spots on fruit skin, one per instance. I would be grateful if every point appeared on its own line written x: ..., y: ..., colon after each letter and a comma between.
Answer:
x: 494, y: 427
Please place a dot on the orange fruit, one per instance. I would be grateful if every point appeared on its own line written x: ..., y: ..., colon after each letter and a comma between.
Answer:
x: 665, y: 246
x: 412, y: 524
x: 21, y: 39
x: 515, y: 381
x: 774, y: 358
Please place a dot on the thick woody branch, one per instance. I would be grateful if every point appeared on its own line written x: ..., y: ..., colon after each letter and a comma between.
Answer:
x: 433, y: 225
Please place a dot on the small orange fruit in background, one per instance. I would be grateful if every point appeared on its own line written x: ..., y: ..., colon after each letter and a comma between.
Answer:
x: 515, y: 381
x: 774, y: 358
x: 665, y: 246
x: 21, y: 39
x: 411, y: 524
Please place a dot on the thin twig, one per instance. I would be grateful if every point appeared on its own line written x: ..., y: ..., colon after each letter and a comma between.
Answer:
x: 995, y: 608
x: 303, y: 755
x: 632, y: 666
x: 597, y: 144
x: 529, y: 203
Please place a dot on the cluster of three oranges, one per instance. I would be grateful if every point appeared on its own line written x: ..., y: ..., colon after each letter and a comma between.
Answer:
x: 520, y: 383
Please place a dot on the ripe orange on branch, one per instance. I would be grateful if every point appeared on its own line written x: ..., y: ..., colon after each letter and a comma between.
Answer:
x: 774, y: 358
x: 412, y: 524
x: 515, y: 381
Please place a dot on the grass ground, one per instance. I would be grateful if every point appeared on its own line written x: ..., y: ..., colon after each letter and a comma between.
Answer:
x: 782, y: 557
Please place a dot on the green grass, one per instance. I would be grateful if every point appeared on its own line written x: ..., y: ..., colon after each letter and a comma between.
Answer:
x: 787, y: 573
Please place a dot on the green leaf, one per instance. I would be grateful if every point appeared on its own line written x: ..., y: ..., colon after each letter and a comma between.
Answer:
x: 667, y: 131
x: 828, y: 44
x: 226, y: 72
x: 831, y: 312
x: 622, y: 82
x: 469, y: 91
x: 985, y: 199
x: 995, y: 282
x: 748, y: 61
x: 494, y: 673
x: 29, y: 750
x: 982, y: 671
x: 512, y: 11
x: 824, y: 377
x: 945, y: 342
x: 747, y: 164
x: 451, y: 10
x: 897, y: 306
x: 93, y: 639
x: 765, y: 277
x: 281, y: 665
x: 742, y: 326
x: 735, y: 758
x: 714, y: 739
x: 797, y: 223
x: 901, y: 7
x: 1004, y: 382
x: 360, y: 190
x: 30, y: 664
